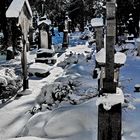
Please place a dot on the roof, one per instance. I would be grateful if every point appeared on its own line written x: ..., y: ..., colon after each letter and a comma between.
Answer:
x: 16, y: 7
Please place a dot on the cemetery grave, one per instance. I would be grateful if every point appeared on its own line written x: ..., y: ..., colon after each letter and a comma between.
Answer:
x: 67, y: 84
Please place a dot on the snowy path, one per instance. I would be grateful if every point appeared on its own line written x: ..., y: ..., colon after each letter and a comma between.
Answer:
x: 15, y: 114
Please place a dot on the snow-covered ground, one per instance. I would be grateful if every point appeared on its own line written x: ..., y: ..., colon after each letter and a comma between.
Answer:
x: 75, y: 116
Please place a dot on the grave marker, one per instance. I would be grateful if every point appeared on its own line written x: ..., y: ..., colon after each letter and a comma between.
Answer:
x: 66, y: 29
x: 109, y: 121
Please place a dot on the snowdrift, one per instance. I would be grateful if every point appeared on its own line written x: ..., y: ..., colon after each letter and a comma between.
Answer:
x: 65, y: 123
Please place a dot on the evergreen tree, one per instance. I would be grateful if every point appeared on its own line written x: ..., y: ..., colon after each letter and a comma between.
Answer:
x: 4, y: 4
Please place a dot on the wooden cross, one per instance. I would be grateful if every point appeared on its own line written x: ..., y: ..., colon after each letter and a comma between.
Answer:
x: 109, y: 121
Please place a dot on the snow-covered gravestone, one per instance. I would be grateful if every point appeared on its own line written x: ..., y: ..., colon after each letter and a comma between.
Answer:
x: 44, y: 33
x: 46, y: 53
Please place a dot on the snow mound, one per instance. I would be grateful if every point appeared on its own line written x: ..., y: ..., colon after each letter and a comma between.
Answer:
x: 68, y: 123
x: 39, y: 68
x: 27, y: 138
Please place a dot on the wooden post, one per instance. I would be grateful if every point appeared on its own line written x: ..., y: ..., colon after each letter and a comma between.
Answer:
x: 99, y: 46
x: 109, y: 86
x: 99, y: 38
x: 24, y: 65
x: 109, y: 121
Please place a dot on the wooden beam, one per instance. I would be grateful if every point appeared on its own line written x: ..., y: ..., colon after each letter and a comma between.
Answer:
x: 109, y: 86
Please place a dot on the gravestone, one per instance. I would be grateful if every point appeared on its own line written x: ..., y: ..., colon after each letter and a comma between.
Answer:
x: 45, y: 54
x: 66, y: 29
x: 44, y: 39
x: 44, y: 33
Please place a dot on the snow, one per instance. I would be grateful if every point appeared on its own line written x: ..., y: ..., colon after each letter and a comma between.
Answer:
x: 75, y: 125
x: 138, y: 40
x: 46, y: 21
x: 8, y: 74
x: 10, y: 49
x: 119, y: 58
x: 109, y: 100
x: 27, y: 138
x: 16, y: 7
x: 137, y: 85
x: 97, y: 22
x: 43, y: 50
x: 25, y: 92
x: 39, y: 68
x: 3, y: 81
x: 64, y: 121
